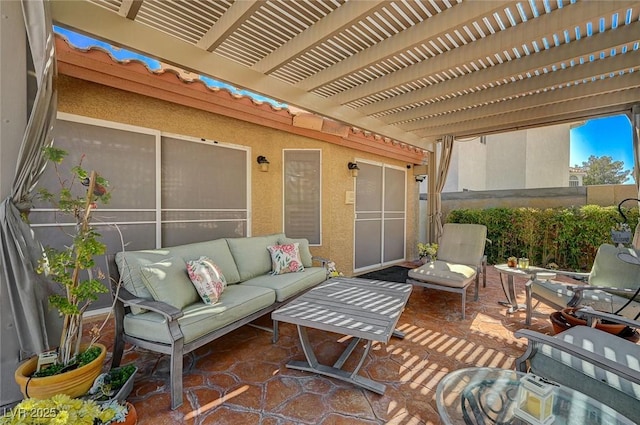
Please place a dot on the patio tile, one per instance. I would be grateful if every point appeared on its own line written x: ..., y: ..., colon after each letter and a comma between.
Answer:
x: 242, y: 378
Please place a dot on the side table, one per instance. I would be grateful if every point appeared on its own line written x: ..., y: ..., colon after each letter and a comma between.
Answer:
x: 509, y: 287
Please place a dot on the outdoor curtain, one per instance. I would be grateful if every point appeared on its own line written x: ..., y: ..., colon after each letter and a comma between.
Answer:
x: 28, y: 291
x: 635, y: 124
x: 441, y: 170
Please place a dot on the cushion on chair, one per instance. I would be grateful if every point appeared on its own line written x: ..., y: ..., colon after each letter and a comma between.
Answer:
x: 609, y: 270
x: 444, y: 273
x: 571, y: 371
x: 236, y: 302
x: 251, y: 254
x: 462, y: 243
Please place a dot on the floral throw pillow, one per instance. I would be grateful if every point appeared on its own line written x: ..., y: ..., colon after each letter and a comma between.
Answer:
x: 285, y: 258
x: 207, y: 279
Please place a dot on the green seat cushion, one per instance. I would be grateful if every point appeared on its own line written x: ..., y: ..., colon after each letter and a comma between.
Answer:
x: 236, y: 302
x: 444, y: 273
x: 289, y: 284
x: 251, y: 254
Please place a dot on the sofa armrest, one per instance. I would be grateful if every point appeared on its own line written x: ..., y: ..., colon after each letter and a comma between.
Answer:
x: 323, y: 261
x: 169, y: 311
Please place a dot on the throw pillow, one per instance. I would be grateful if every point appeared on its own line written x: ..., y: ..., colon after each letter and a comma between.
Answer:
x: 285, y: 258
x: 207, y: 278
x: 305, y: 254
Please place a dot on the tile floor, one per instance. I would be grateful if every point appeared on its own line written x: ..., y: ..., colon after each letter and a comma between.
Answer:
x: 241, y: 378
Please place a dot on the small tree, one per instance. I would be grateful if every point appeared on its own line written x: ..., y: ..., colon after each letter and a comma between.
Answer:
x: 604, y: 170
x: 66, y: 265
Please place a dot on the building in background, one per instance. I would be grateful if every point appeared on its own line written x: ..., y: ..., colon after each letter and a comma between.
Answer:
x: 524, y: 159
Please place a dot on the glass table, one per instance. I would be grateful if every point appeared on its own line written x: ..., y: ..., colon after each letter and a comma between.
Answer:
x: 481, y: 395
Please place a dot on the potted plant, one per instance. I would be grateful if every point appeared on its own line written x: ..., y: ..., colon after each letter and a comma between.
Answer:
x: 114, y: 385
x: 427, y: 251
x: 66, y: 268
x: 63, y: 410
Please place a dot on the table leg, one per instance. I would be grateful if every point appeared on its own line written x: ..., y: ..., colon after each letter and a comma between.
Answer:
x: 510, y: 292
x: 336, y: 371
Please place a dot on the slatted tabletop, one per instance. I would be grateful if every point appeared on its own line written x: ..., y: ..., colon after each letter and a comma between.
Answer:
x: 362, y: 308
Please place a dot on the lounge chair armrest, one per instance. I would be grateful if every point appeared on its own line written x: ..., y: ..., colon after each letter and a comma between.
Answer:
x: 574, y: 275
x: 536, y: 339
x: 168, y: 311
x: 588, y: 313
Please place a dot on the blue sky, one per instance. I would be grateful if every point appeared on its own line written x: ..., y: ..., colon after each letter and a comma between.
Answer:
x: 610, y: 136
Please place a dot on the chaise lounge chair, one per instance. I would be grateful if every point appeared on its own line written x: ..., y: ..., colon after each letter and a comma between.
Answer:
x: 460, y: 261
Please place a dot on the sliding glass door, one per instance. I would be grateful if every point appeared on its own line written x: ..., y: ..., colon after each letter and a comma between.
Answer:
x: 380, y: 220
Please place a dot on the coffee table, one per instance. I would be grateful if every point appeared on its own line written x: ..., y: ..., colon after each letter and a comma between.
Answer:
x: 364, y: 309
x: 480, y: 395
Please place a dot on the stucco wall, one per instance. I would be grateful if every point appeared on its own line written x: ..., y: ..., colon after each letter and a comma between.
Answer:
x: 97, y: 101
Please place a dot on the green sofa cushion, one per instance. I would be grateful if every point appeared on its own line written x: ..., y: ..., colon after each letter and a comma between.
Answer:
x: 289, y: 284
x: 217, y: 250
x: 168, y: 281
x: 251, y: 254
x: 236, y: 302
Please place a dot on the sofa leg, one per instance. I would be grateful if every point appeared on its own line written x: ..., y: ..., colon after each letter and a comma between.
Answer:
x: 175, y: 377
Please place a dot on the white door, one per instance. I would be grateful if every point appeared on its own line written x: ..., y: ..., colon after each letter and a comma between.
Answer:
x: 380, y: 215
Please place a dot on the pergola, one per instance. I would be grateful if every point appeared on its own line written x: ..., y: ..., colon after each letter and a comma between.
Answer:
x: 419, y: 72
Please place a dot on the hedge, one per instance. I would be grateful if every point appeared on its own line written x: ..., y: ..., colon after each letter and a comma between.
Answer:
x: 568, y: 237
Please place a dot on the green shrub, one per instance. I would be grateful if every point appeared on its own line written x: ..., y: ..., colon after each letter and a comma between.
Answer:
x: 568, y: 237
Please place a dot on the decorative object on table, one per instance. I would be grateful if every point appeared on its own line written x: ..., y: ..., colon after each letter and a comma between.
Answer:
x: 535, y: 400
x: 65, y: 267
x: 61, y: 409
x: 116, y: 384
x: 427, y: 252
x: 523, y: 263
x: 512, y: 262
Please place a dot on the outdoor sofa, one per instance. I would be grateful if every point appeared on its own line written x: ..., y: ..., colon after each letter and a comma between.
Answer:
x: 158, y: 308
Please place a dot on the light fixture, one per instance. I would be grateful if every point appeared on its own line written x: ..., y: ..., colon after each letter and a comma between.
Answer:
x: 535, y: 400
x: 264, y: 163
x: 420, y: 179
x: 353, y: 168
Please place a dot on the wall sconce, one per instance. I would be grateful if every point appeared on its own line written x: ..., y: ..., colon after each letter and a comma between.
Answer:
x: 420, y: 179
x: 264, y: 163
x: 353, y: 168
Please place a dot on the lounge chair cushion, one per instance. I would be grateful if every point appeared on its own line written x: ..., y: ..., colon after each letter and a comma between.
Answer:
x: 444, y: 273
x: 555, y: 362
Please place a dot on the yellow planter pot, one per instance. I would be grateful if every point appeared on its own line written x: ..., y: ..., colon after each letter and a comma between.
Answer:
x: 74, y: 383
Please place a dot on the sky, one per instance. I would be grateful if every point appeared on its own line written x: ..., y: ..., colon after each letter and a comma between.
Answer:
x: 610, y: 136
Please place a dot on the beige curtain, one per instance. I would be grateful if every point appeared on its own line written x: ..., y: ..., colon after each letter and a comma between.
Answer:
x: 37, y: 326
x: 635, y: 122
x: 438, y: 170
